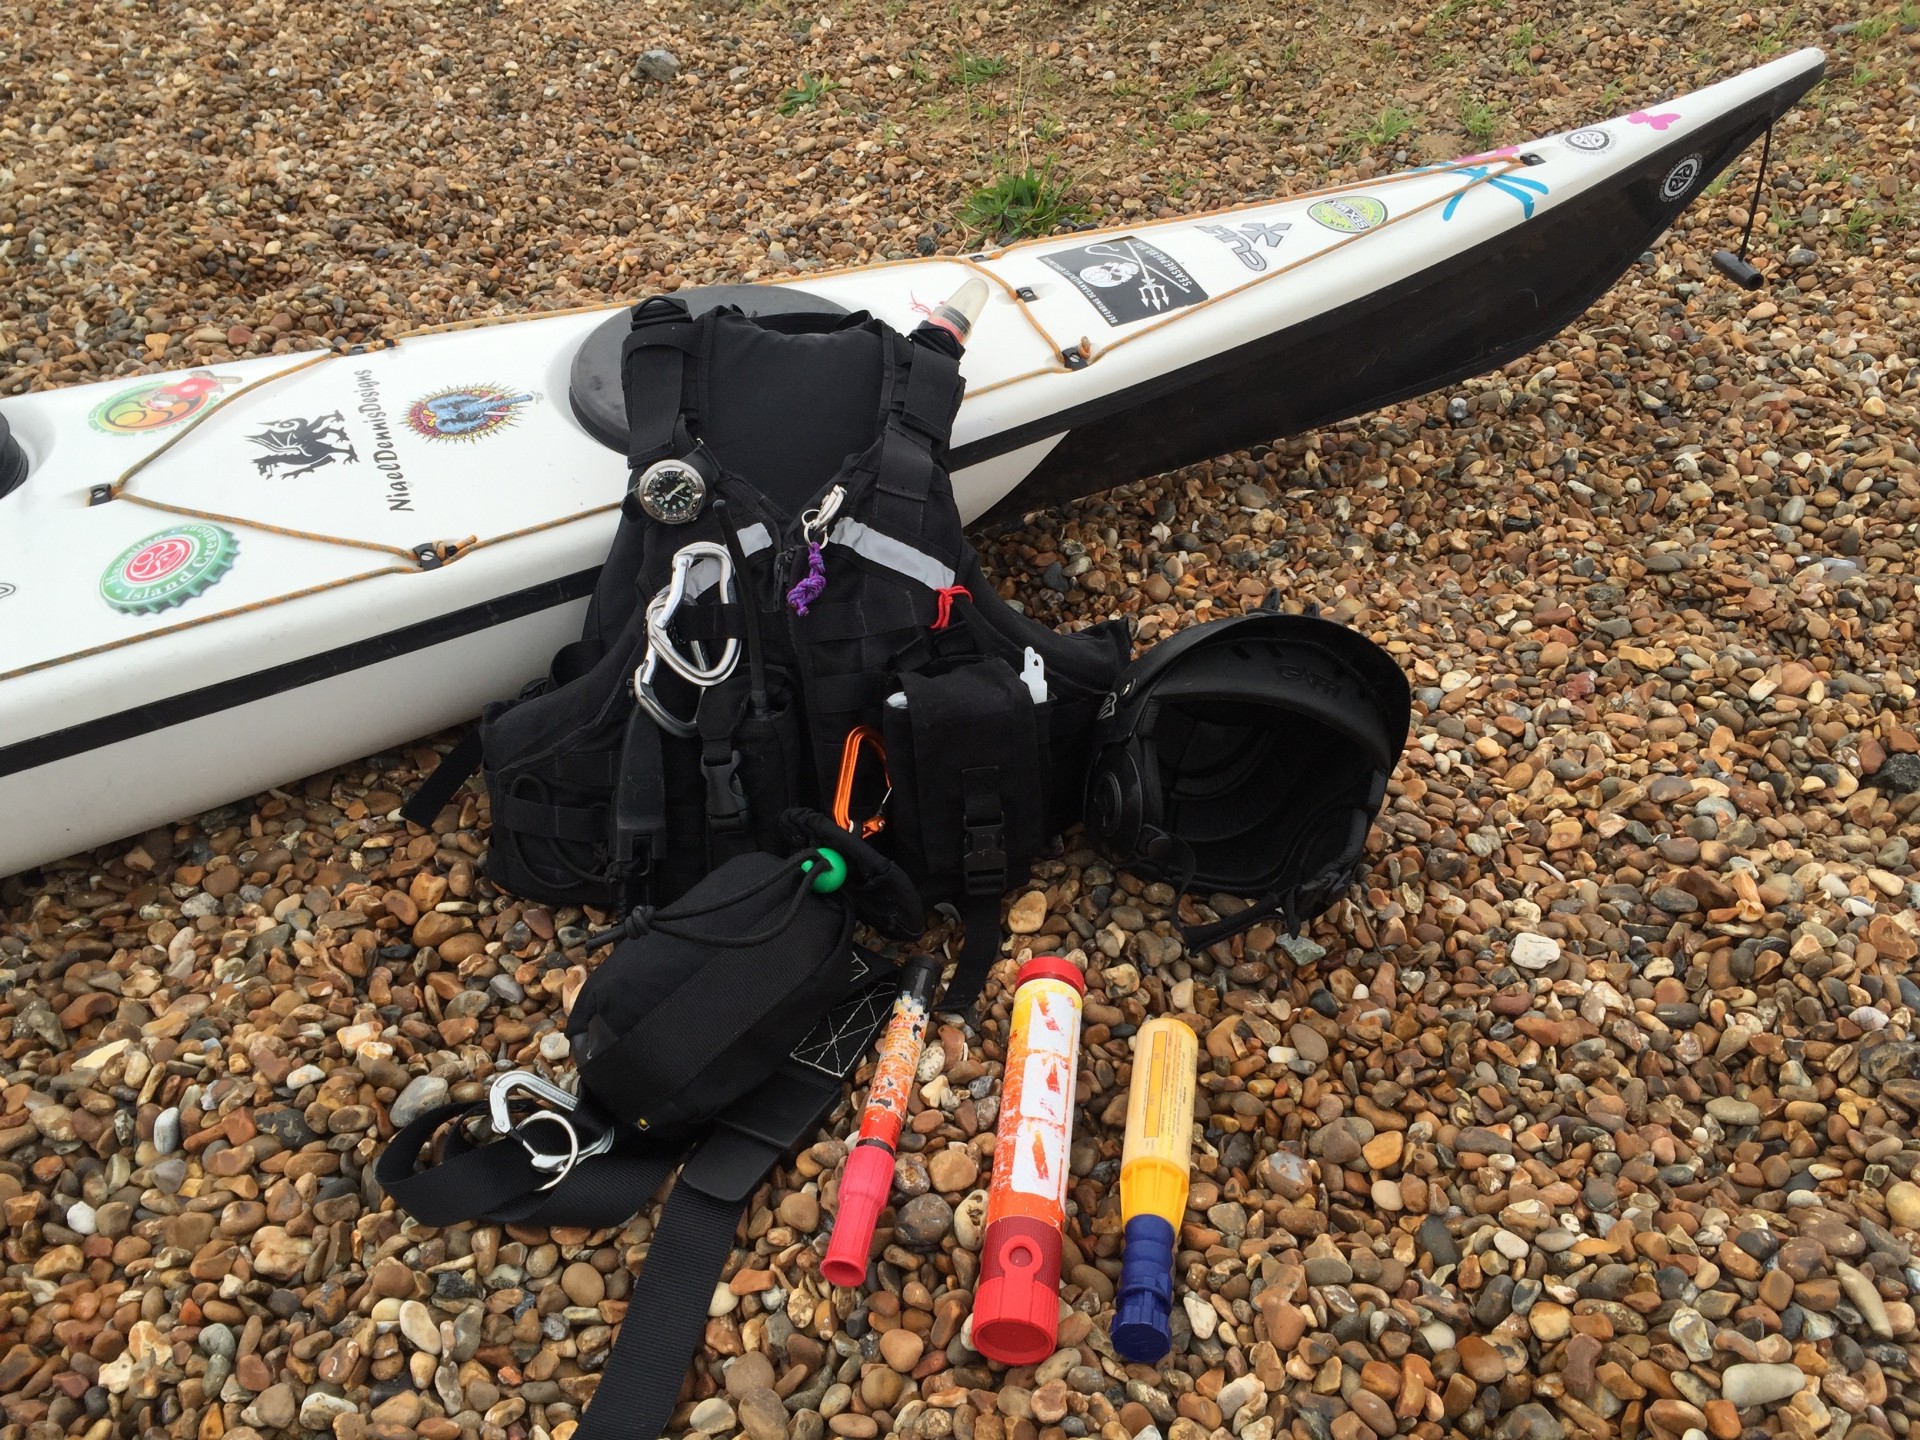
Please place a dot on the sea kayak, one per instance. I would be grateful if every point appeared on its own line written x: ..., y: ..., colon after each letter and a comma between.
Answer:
x: 219, y: 579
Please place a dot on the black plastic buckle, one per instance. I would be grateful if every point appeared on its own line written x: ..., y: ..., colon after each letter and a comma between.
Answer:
x: 726, y: 798
x: 984, y: 861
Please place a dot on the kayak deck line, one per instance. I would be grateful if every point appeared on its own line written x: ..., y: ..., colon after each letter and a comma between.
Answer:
x: 419, y: 560
x: 1088, y: 355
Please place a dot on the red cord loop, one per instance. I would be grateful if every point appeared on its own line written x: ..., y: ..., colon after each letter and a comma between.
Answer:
x: 943, y: 616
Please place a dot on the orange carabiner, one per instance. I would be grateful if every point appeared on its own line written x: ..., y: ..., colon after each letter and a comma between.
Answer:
x: 858, y: 736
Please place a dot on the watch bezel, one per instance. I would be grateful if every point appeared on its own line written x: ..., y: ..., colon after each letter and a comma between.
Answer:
x: 660, y: 471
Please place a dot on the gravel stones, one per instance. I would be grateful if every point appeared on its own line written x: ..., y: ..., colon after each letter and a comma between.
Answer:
x: 924, y: 1221
x: 422, y: 1094
x: 1601, y: 1084
x: 1903, y: 1204
x: 1743, y: 1386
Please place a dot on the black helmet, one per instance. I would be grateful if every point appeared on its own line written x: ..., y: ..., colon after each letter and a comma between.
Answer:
x: 1249, y: 755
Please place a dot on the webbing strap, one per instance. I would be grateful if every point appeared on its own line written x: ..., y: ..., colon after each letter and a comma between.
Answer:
x: 652, y: 371
x: 667, y: 1312
x: 639, y: 806
x: 582, y: 824
x: 436, y: 791
x: 498, y: 1182
x: 979, y: 948
x: 896, y: 555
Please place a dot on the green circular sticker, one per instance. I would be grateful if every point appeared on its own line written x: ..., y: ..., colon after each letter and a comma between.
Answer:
x: 168, y: 569
x: 1350, y: 214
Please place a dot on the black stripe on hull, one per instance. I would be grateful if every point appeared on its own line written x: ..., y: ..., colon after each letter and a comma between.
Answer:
x: 244, y: 689
x: 1466, y: 316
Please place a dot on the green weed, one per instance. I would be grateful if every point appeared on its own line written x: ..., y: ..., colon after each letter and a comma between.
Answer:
x: 970, y: 69
x: 1024, y: 203
x: 1480, y: 120
x: 1185, y: 120
x: 811, y: 90
x: 1873, y: 29
x: 1388, y: 126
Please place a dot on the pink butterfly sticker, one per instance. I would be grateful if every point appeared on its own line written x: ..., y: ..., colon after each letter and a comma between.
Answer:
x: 1658, y: 122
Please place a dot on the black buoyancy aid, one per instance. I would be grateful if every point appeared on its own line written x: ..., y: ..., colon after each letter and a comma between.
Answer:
x: 806, y: 430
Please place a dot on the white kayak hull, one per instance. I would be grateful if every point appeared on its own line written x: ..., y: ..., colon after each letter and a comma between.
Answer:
x: 217, y: 580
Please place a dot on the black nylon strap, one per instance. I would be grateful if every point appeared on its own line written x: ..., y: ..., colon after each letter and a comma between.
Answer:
x: 437, y: 790
x: 653, y: 364
x: 498, y: 1182
x: 694, y: 624
x: 668, y: 1307
x: 639, y: 804
x: 666, y: 1317
x: 879, y: 613
x: 582, y: 824
x: 979, y: 949
x: 927, y: 408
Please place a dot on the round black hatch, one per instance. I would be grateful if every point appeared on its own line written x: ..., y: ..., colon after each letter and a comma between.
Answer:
x: 594, y: 386
x: 13, y: 460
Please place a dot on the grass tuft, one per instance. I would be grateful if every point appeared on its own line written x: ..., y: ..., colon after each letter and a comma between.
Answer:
x: 811, y: 90
x: 1388, y: 126
x: 1480, y: 120
x: 971, y: 69
x: 1024, y: 203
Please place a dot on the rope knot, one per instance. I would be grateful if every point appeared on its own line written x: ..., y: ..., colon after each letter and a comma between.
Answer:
x: 943, y: 615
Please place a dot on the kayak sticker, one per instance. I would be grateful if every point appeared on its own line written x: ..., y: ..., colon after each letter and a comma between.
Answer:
x: 1246, y: 238
x: 1658, y: 122
x: 5, y: 589
x: 1590, y: 141
x: 1681, y: 178
x: 385, y: 458
x: 466, y: 412
x: 158, y: 403
x: 168, y: 569
x: 1518, y: 186
x: 1126, y: 279
x: 299, y: 447
x: 1350, y: 214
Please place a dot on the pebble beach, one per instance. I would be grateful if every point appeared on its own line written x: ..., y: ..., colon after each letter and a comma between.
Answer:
x: 1589, y: 1113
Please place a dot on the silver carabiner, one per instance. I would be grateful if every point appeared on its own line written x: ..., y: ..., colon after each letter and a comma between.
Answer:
x: 649, y: 702
x: 689, y: 581
x: 544, y: 1103
x: 814, y: 524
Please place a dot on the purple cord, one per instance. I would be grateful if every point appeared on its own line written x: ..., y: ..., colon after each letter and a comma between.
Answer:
x: 808, y: 588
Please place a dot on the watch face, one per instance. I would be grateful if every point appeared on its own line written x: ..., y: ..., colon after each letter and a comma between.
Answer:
x: 672, y: 491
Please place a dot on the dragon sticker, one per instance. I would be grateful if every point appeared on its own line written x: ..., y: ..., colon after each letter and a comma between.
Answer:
x: 300, y: 447
x: 467, y: 412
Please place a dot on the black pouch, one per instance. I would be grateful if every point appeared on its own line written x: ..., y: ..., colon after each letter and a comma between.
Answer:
x: 966, y: 753
x: 686, y: 1017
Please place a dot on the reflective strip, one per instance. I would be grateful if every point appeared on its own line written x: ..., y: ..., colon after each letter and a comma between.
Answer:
x: 894, y: 554
x: 754, y: 539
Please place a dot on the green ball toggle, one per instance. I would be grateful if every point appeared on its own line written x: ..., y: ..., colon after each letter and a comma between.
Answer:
x: 831, y: 878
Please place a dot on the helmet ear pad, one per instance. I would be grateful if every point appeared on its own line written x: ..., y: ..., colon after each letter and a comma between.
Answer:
x: 1121, y: 792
